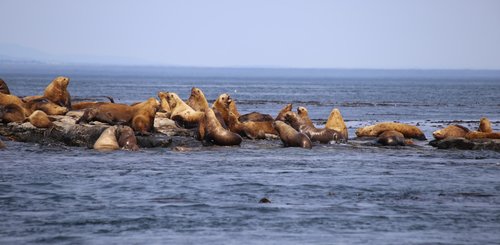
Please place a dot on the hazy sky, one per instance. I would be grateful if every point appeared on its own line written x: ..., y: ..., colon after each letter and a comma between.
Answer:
x: 261, y: 33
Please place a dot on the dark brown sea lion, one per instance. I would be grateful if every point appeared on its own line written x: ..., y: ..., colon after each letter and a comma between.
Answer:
x: 409, y: 131
x: 485, y: 125
x: 4, y: 89
x: 57, y: 92
x: 126, y: 138
x: 391, y: 138
x: 323, y: 135
x: 291, y: 137
x: 182, y: 114
x: 450, y: 131
x: 214, y: 132
x: 12, y: 113
x: 40, y: 119
x: 282, y: 112
x: 336, y: 122
x: 107, y: 141
x: 251, y: 129
x: 45, y: 105
x: 108, y: 113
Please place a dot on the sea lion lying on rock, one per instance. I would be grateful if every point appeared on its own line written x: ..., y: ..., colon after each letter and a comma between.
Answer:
x: 482, y: 135
x: 57, y: 92
x: 336, y: 122
x: 251, y: 129
x: 324, y: 135
x: 409, y: 131
x: 213, y: 132
x: 12, y: 113
x: 4, y: 89
x: 450, y: 131
x: 107, y: 141
x: 45, y: 105
x: 291, y: 137
x: 182, y: 114
x: 7, y: 99
x: 392, y: 138
x: 40, y: 119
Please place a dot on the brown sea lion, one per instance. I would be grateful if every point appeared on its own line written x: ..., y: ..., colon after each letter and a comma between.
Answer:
x: 40, y: 119
x: 108, y: 113
x: 251, y: 129
x: 221, y: 105
x: 57, y: 92
x: 183, y: 114
x: 450, y: 131
x: 323, y: 135
x: 4, y: 89
x: 304, y: 115
x: 45, y: 105
x: 291, y: 137
x: 144, y: 116
x: 336, y: 122
x: 392, y: 138
x: 107, y: 141
x: 126, y: 138
x: 214, y: 132
x: 485, y: 125
x: 164, y: 107
x: 409, y: 131
x: 12, y: 113
x: 6, y: 99
x: 282, y: 112
x: 197, y: 100
x: 482, y: 135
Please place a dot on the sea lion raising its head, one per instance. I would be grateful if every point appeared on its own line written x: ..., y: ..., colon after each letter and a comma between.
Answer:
x: 450, y: 131
x: 183, y: 114
x: 197, y: 100
x: 409, y: 131
x: 304, y: 115
x: 126, y: 138
x: 164, y: 107
x: 4, y: 89
x: 291, y: 137
x: 214, y: 132
x: 282, y: 112
x: 485, y: 125
x: 336, y: 122
x: 107, y: 141
x: 57, y: 92
x: 323, y: 135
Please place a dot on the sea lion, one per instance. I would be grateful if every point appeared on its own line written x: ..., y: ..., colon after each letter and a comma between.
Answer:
x: 391, y: 138
x: 221, y: 105
x: 485, y: 125
x: 450, y: 131
x: 108, y: 113
x: 126, y: 138
x: 250, y: 129
x: 164, y: 107
x: 336, y: 122
x: 323, y: 135
x: 482, y: 135
x: 4, y: 89
x: 252, y: 116
x: 107, y: 141
x: 45, y: 105
x: 304, y: 115
x: 40, y: 119
x: 144, y: 116
x: 214, y: 132
x: 291, y: 137
x: 197, y: 100
x: 12, y: 113
x: 409, y: 131
x: 6, y: 99
x: 282, y: 112
x: 57, y: 92
x: 183, y: 114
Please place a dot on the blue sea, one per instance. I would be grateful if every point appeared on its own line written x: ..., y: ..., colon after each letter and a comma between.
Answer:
x: 333, y: 194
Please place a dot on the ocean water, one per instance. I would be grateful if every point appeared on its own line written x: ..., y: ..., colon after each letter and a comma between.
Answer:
x: 347, y: 193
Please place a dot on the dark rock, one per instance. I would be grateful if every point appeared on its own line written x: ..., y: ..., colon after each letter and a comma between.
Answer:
x: 265, y: 200
x: 465, y: 144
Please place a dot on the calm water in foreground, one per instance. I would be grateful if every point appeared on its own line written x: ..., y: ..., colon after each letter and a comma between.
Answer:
x: 349, y: 193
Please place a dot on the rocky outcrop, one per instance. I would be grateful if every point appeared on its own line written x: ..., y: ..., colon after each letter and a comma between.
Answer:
x: 465, y: 144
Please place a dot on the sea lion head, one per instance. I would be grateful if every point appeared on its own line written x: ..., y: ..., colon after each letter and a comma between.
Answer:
x: 62, y: 81
x: 485, y: 125
x: 281, y: 114
x: 4, y: 89
x: 172, y: 99
x: 302, y: 111
x: 126, y: 138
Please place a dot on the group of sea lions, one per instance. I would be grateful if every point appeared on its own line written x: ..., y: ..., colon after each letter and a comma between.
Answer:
x: 219, y: 124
